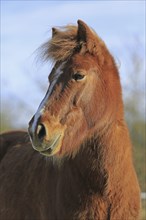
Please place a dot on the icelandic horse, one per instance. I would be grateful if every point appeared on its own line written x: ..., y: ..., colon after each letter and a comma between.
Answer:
x: 77, y: 163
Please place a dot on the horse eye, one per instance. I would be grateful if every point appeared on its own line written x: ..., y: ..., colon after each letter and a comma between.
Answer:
x: 78, y: 76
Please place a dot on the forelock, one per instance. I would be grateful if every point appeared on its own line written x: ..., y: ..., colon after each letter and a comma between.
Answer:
x: 62, y: 44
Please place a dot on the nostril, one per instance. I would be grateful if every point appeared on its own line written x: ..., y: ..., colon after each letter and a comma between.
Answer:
x: 41, y: 131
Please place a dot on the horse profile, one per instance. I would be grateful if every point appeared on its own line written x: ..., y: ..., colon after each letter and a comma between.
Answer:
x: 78, y: 165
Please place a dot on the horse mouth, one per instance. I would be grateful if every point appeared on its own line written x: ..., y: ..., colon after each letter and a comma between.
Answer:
x: 53, y: 147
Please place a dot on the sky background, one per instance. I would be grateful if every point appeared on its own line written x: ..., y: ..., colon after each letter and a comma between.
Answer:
x: 25, y: 25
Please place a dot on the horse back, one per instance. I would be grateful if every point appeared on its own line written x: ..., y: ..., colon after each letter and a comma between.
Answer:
x: 10, y: 139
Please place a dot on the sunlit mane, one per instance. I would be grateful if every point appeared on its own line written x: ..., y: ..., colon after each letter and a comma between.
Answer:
x: 62, y: 44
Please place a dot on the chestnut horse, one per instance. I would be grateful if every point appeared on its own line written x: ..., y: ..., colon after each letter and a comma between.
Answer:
x: 80, y: 166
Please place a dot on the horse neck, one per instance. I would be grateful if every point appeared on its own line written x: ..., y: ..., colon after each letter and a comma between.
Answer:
x: 104, y: 156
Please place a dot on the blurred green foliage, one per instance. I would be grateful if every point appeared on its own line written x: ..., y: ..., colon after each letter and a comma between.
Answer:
x: 143, y: 210
x: 6, y: 123
x: 135, y: 109
x: 137, y: 132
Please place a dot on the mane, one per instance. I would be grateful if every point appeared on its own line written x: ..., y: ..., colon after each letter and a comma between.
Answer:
x: 64, y: 42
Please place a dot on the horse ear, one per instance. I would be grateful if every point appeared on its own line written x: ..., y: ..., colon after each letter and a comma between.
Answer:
x: 89, y: 40
x: 84, y: 34
x: 54, y: 31
x: 86, y: 38
x: 81, y: 34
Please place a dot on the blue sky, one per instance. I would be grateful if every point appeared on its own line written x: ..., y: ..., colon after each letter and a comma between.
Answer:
x: 25, y: 25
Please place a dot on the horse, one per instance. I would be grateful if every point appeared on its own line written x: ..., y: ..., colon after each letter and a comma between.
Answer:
x: 75, y: 162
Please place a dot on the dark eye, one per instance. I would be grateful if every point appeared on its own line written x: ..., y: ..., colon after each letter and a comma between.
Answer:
x: 78, y: 76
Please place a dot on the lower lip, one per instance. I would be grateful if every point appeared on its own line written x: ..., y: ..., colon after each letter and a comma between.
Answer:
x: 49, y: 151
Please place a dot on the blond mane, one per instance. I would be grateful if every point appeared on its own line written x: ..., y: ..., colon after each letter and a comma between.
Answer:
x: 62, y: 44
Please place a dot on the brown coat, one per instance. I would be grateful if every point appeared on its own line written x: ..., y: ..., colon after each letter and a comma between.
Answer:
x: 81, y: 168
